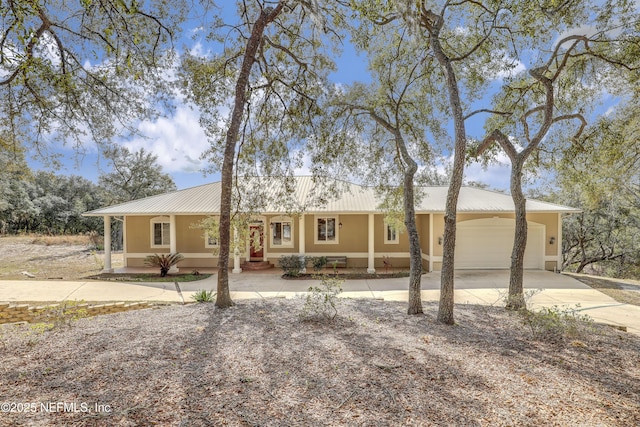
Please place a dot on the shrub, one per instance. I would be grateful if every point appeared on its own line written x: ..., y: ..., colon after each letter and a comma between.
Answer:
x: 321, y: 301
x: 165, y: 262
x: 203, y: 295
x: 318, y: 262
x: 292, y: 265
x: 334, y: 264
x: 555, y: 323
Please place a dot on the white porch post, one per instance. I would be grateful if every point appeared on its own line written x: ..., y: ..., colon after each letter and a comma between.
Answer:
x: 301, y: 239
x: 172, y: 240
x: 371, y: 266
x: 431, y: 242
x: 236, y: 253
x: 107, y: 245
x: 559, y: 244
x: 265, y: 238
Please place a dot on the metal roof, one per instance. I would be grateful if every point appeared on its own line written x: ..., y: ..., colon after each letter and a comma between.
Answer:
x: 305, y: 194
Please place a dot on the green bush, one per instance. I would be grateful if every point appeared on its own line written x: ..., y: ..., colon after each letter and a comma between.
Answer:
x: 203, y: 295
x: 321, y: 302
x: 292, y: 265
x: 318, y: 262
x: 555, y: 323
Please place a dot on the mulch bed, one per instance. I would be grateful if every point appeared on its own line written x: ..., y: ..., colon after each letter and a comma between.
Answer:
x: 346, y: 275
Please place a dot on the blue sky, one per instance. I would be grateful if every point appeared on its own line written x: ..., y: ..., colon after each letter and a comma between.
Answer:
x: 178, y: 140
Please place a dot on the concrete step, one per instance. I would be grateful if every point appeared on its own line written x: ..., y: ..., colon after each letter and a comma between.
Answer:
x: 256, y: 265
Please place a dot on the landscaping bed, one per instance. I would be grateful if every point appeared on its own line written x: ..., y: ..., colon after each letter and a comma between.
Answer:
x: 149, y: 277
x: 346, y: 275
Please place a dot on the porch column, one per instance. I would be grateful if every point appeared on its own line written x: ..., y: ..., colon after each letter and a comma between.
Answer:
x: 236, y: 253
x: 172, y: 240
x: 559, y: 244
x: 107, y: 245
x: 264, y: 238
x: 301, y: 240
x: 430, y: 242
x: 371, y: 266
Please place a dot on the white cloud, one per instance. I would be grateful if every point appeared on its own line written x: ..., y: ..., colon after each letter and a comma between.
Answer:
x: 178, y: 141
x: 583, y: 30
x: 496, y: 175
x: 503, y: 66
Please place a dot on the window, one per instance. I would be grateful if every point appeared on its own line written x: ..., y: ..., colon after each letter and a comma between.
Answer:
x: 282, y: 233
x: 210, y: 241
x: 160, y: 232
x: 390, y: 234
x: 326, y: 231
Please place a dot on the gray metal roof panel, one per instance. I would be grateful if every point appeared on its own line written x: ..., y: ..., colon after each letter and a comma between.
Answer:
x: 305, y: 194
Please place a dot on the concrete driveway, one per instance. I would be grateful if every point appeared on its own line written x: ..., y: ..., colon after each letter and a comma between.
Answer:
x: 487, y: 287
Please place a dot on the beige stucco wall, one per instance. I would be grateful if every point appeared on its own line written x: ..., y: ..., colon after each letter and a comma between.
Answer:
x: 138, y: 235
x: 550, y: 220
x: 438, y: 232
x: 379, y: 232
x: 352, y: 238
x: 422, y: 222
x: 189, y: 240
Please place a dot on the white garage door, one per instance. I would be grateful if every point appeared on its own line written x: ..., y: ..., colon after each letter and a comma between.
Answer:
x: 487, y: 243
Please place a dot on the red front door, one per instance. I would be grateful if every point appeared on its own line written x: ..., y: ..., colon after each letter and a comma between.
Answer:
x: 256, y: 242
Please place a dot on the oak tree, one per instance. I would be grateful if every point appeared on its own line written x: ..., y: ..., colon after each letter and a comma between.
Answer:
x: 270, y: 72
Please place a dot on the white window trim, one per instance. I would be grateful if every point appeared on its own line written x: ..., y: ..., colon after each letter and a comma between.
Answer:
x: 281, y: 219
x: 205, y: 236
x: 206, y: 241
x: 385, y: 233
x: 315, y: 230
x: 159, y: 220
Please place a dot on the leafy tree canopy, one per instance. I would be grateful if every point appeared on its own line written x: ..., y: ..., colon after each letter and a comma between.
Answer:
x: 133, y: 175
x: 80, y: 70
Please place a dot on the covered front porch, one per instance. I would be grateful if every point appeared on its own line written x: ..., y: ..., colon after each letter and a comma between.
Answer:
x: 354, y: 239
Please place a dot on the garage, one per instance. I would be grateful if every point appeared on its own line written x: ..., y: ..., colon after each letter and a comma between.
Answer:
x: 488, y: 242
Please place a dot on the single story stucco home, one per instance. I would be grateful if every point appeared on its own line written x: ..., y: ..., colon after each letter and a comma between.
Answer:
x: 350, y: 224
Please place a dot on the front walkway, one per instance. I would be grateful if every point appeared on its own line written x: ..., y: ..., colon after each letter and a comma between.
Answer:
x: 487, y: 287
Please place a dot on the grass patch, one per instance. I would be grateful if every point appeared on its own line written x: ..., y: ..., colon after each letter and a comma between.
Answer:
x: 76, y: 239
x: 148, y: 277
x: 203, y: 295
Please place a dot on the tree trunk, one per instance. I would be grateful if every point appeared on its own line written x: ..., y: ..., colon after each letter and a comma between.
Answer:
x: 447, y: 277
x: 223, y: 297
x: 415, y: 261
x: 515, y: 299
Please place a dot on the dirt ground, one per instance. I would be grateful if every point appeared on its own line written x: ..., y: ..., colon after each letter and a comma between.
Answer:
x: 53, y: 257
x: 260, y: 364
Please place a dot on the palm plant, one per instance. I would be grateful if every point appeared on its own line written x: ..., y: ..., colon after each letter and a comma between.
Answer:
x: 164, y: 261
